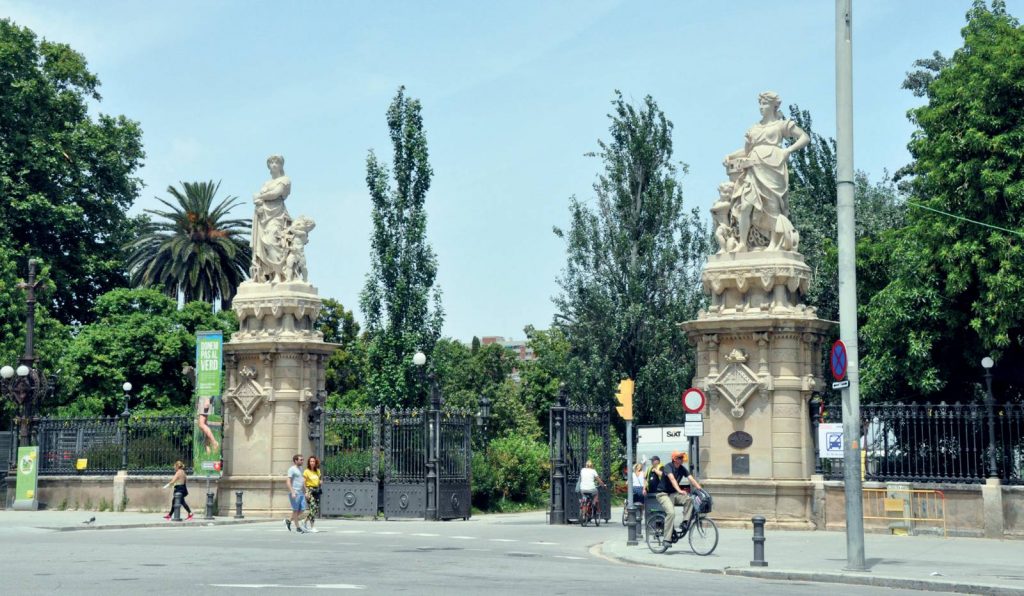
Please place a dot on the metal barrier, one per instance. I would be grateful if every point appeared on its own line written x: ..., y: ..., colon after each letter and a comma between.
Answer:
x: 909, y: 506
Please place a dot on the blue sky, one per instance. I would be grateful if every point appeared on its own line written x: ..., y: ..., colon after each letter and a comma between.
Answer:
x: 514, y: 94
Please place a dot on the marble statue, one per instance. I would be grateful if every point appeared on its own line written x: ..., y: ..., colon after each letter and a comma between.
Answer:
x: 278, y: 242
x: 757, y: 214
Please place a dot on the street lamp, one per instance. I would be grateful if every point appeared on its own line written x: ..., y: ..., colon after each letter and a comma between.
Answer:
x: 483, y: 416
x: 987, y: 363
x: 420, y: 360
x: 125, y: 415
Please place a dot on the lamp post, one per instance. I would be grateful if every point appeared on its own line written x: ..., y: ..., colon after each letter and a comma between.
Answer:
x: 125, y: 415
x: 420, y: 360
x: 483, y: 416
x: 25, y: 385
x: 987, y: 363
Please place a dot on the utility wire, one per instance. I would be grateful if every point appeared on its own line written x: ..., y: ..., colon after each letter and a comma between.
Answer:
x: 962, y: 218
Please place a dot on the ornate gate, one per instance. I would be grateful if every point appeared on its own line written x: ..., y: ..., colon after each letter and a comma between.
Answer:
x: 578, y: 433
x: 454, y: 461
x: 350, y: 458
x: 405, y: 470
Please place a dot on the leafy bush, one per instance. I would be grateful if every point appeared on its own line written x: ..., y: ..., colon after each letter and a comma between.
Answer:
x: 513, y: 472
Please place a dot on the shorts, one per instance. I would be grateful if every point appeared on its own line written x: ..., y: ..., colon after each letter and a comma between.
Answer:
x: 298, y: 501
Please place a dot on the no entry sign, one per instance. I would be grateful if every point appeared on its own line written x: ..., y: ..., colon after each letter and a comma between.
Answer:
x: 838, y: 360
x: 693, y: 400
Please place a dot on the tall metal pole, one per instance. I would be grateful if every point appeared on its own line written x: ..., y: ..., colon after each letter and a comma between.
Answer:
x: 990, y: 402
x: 848, y: 285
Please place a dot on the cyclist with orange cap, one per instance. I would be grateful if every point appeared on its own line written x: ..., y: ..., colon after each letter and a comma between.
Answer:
x: 670, y: 493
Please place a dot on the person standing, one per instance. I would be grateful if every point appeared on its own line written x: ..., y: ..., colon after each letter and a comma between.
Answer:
x: 180, y: 487
x: 670, y: 493
x: 312, y: 477
x: 296, y: 493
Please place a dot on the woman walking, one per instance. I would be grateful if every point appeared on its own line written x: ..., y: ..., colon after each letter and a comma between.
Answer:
x: 312, y: 476
x: 180, y: 487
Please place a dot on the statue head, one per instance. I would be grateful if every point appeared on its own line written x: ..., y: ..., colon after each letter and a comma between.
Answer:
x: 303, y: 224
x: 275, y: 159
x: 772, y: 100
x: 725, y: 190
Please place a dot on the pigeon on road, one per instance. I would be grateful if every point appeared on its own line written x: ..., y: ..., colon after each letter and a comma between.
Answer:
x: 89, y: 521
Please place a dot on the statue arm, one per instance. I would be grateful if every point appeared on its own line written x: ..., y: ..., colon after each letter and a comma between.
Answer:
x: 802, y: 139
x: 278, y: 187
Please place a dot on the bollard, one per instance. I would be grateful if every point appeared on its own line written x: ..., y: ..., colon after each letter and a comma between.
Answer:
x: 631, y: 525
x: 238, y: 505
x: 176, y: 507
x: 209, y: 505
x: 758, y: 542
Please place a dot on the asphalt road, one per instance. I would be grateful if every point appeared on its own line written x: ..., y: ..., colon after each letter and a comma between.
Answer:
x: 487, y: 555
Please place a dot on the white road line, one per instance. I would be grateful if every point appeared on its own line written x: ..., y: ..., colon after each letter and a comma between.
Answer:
x: 542, y: 543
x: 569, y: 557
x: 425, y: 534
x: 387, y: 533
x: 463, y: 537
x: 291, y: 587
x: 502, y: 540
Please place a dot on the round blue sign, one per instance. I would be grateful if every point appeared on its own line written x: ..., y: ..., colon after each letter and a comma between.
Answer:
x: 838, y: 360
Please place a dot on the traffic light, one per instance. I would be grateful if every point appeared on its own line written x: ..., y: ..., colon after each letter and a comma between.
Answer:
x: 625, y: 398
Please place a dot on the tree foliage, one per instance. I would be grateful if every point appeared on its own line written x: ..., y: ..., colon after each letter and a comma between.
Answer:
x: 633, y: 269
x: 192, y: 249
x: 397, y: 297
x: 67, y: 179
x: 139, y: 336
x: 343, y: 372
x: 957, y: 278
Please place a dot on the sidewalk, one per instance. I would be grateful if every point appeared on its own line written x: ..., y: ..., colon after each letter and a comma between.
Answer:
x: 965, y: 565
x: 67, y: 521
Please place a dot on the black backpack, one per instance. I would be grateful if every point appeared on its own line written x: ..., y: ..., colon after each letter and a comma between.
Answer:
x: 653, y: 481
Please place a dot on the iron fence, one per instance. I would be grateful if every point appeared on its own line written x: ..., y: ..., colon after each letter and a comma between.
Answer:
x: 142, y: 445
x: 932, y: 442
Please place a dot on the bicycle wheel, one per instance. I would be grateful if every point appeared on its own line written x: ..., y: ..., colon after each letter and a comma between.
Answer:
x: 597, y: 516
x: 584, y: 514
x: 656, y: 541
x: 703, y: 536
x: 625, y: 513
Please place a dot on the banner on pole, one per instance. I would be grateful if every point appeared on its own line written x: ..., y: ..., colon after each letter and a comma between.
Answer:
x: 206, y: 441
x: 28, y: 477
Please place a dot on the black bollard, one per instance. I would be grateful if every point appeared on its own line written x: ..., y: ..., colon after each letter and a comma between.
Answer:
x: 631, y: 525
x: 209, y: 505
x: 758, y: 542
x: 238, y: 505
x: 176, y: 507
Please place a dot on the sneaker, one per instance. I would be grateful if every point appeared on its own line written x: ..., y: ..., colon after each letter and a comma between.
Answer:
x: 189, y: 518
x: 299, y: 529
x: 288, y: 524
x: 167, y: 517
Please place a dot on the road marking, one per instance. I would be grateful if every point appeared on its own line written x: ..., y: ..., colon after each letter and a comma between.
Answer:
x: 502, y: 540
x: 427, y: 534
x: 542, y: 543
x: 291, y: 587
x: 570, y: 558
x: 463, y: 537
x: 387, y: 533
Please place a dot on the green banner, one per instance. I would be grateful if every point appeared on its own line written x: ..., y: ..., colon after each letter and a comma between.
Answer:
x: 28, y: 474
x: 206, y: 443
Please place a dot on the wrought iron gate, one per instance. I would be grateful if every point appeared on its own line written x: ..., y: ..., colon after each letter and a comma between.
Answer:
x: 351, y: 462
x: 405, y: 463
x: 578, y: 433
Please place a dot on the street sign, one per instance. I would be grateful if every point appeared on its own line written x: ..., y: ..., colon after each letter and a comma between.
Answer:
x: 841, y: 384
x: 838, y: 360
x: 830, y: 440
x: 693, y: 400
x: 694, y: 417
x: 694, y: 429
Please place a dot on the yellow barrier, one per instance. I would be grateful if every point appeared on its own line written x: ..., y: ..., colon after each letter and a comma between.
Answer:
x: 905, y: 505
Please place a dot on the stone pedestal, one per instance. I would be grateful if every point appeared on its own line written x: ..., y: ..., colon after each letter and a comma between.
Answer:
x: 275, y: 375
x: 759, y: 361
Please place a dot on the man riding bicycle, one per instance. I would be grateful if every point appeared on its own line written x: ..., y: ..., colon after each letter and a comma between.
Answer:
x: 670, y: 493
x: 589, y: 481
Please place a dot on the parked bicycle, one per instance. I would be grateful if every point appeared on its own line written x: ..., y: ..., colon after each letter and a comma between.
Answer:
x: 590, y: 509
x: 702, y: 531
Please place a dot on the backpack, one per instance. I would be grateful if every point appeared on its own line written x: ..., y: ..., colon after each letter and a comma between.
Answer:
x: 653, y: 480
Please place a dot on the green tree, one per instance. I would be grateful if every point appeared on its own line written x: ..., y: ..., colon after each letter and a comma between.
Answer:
x: 403, y: 267
x: 633, y: 269
x: 193, y: 249
x: 67, y: 179
x: 957, y: 278
x: 543, y: 376
x: 343, y: 378
x: 140, y: 336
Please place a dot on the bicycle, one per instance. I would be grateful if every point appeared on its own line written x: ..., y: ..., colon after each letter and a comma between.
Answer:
x: 590, y: 509
x: 702, y: 530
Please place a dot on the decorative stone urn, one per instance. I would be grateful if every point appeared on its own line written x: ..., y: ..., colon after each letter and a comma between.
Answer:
x: 759, y: 345
x: 275, y: 361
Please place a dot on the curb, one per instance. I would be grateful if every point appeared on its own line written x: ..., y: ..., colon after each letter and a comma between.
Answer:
x: 866, y: 579
x: 166, y: 524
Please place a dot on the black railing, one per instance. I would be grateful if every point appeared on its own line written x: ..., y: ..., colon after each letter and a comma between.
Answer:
x: 140, y: 445
x: 932, y: 443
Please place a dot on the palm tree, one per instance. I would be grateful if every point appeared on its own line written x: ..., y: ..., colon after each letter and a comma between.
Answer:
x: 191, y: 249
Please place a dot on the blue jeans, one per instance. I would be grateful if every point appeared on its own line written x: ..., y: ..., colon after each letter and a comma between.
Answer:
x: 298, y: 501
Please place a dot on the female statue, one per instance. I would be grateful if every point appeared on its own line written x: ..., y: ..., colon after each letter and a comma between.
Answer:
x: 762, y: 178
x: 269, y: 247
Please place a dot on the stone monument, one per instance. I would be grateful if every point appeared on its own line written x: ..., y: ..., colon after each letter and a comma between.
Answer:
x: 759, y: 345
x: 275, y: 362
